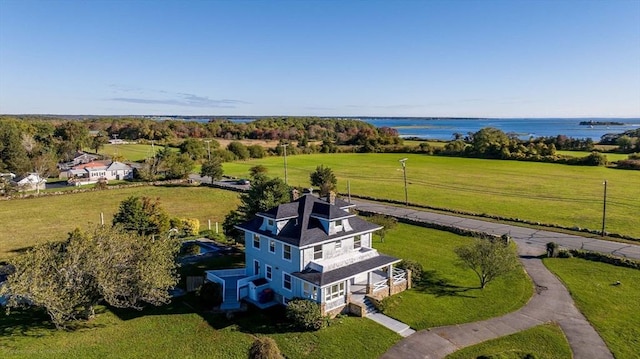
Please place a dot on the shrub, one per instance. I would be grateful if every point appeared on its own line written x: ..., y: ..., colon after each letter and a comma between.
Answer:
x: 190, y: 226
x: 415, y: 268
x: 264, y: 348
x: 552, y: 249
x: 305, y: 314
x: 190, y: 249
x: 210, y: 294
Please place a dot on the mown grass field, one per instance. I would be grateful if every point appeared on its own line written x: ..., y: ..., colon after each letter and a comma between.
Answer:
x: 132, y: 151
x: 544, y: 341
x: 542, y: 192
x: 26, y: 222
x: 611, y: 309
x: 448, y: 294
x: 611, y: 157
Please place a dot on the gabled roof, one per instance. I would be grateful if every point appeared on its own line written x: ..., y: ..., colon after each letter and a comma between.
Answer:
x: 304, y: 227
x: 118, y: 166
x: 93, y: 164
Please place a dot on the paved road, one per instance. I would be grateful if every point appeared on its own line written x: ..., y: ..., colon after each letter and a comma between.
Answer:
x: 551, y: 302
x: 533, y: 241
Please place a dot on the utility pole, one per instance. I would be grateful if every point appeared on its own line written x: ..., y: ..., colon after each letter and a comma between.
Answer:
x: 404, y: 172
x: 349, y: 190
x: 284, y: 147
x: 604, y: 206
x: 208, y: 149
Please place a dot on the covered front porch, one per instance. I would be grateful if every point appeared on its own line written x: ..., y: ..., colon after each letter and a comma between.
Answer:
x: 374, y: 277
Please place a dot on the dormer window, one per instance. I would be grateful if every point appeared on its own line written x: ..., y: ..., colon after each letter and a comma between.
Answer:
x: 270, y: 222
x: 357, y: 242
x: 339, y: 223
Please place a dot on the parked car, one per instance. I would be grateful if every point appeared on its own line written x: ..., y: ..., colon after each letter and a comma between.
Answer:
x: 243, y: 182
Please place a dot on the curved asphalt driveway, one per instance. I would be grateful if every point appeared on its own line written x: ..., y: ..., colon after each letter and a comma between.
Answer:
x: 551, y: 301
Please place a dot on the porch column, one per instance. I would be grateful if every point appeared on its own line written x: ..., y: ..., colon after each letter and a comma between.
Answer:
x: 369, y: 289
x: 347, y: 292
x: 390, y: 277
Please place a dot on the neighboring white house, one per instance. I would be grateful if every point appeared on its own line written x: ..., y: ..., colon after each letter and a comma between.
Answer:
x: 312, y: 248
x: 99, y: 170
x: 30, y: 182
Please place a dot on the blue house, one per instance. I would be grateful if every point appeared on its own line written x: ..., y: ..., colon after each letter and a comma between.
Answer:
x: 313, y: 248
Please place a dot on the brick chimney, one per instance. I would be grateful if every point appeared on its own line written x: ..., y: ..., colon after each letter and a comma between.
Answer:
x: 295, y: 194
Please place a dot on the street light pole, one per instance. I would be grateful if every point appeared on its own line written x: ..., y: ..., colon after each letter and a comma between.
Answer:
x: 404, y: 172
x: 604, y: 206
x: 284, y: 147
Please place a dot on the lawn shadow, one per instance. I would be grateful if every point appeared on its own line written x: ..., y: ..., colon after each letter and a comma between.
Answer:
x: 432, y: 283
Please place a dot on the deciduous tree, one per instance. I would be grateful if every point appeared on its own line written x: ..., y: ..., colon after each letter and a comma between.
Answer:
x: 489, y: 259
x: 212, y: 168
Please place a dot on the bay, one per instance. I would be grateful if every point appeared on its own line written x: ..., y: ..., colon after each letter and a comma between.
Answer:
x: 443, y: 129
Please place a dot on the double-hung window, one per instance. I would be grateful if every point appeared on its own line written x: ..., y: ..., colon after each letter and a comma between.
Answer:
x: 256, y: 241
x: 272, y: 246
x: 317, y: 252
x: 268, y: 272
x: 286, y: 252
x: 357, y: 242
x: 286, y: 281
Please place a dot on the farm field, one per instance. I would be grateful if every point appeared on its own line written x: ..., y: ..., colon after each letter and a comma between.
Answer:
x: 543, y: 192
x: 132, y: 151
x: 611, y: 309
x: 27, y: 222
x: 448, y: 294
x: 545, y: 342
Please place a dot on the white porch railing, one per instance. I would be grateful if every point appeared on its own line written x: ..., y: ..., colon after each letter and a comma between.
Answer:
x: 399, y: 275
x: 236, y: 272
x: 380, y: 285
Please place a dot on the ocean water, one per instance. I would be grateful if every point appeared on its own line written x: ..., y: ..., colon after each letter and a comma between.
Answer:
x: 443, y: 129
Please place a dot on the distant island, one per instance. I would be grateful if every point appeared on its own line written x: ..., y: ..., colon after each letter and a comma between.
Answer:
x: 601, y: 123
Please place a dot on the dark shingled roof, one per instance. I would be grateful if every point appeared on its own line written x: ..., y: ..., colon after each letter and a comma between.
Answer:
x: 304, y: 227
x: 342, y: 273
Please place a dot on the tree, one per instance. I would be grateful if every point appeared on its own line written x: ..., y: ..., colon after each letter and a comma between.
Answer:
x: 98, y: 142
x: 69, y: 278
x: 174, y: 165
x: 489, y: 259
x: 489, y: 141
x: 264, y: 194
x: 258, y: 170
x: 386, y: 222
x: 324, y: 178
x: 239, y: 150
x: 44, y: 165
x: 625, y: 143
x: 256, y: 151
x: 212, y: 168
x: 195, y: 149
x: 142, y: 215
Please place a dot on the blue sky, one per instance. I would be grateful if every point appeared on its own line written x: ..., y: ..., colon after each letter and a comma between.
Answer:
x: 510, y: 58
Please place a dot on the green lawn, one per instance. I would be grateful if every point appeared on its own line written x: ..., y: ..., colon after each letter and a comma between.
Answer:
x: 131, y: 152
x: 543, y: 192
x: 612, y: 309
x: 449, y: 294
x: 30, y: 221
x: 610, y: 156
x: 544, y: 341
x: 178, y: 330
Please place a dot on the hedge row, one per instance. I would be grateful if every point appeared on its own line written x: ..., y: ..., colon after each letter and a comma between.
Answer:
x: 605, y: 258
x: 491, y: 216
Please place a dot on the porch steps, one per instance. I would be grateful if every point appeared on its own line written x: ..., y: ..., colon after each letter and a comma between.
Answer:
x: 230, y: 300
x: 398, y: 327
